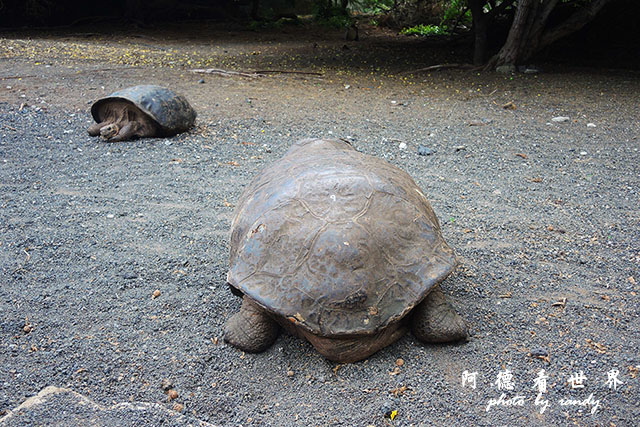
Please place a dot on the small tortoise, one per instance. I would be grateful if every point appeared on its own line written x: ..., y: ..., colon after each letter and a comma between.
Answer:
x: 340, y: 248
x: 141, y: 112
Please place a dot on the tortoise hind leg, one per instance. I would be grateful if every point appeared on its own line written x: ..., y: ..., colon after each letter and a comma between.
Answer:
x: 251, y: 329
x: 435, y: 321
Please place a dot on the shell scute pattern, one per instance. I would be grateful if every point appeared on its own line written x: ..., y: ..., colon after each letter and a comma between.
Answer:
x: 343, y: 242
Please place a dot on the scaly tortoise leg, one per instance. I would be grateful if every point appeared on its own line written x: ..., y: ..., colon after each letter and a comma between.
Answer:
x: 435, y: 321
x: 126, y: 132
x: 251, y: 329
x: 94, y: 129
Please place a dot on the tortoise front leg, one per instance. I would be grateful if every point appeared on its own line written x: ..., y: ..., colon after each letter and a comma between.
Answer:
x: 94, y: 129
x: 251, y: 329
x: 435, y: 321
x: 128, y: 131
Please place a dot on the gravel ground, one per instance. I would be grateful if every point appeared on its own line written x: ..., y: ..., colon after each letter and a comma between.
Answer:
x: 543, y: 216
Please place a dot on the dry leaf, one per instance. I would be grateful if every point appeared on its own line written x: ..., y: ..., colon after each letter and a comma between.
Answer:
x: 561, y: 303
x: 398, y: 390
x: 596, y: 346
x: 524, y: 156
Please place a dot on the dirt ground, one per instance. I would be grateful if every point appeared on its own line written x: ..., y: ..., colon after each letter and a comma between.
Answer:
x: 543, y: 216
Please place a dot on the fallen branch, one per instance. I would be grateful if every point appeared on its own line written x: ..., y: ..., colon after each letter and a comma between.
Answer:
x: 251, y: 74
x: 442, y: 67
x: 226, y: 73
x: 311, y: 73
x: 15, y: 77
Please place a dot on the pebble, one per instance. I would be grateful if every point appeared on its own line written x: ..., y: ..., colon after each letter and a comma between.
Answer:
x: 111, y: 216
x: 156, y: 294
x: 583, y: 153
x: 201, y: 81
x: 402, y: 146
x: 539, y: 352
x: 459, y: 147
x: 506, y: 69
x: 178, y: 407
x: 27, y: 329
x: 423, y: 150
x: 560, y: 119
x: 172, y: 394
x: 591, y: 125
x: 166, y: 384
x: 399, y: 362
x: 290, y: 373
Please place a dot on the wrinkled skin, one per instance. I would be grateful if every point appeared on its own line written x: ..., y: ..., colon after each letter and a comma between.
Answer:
x: 122, y: 121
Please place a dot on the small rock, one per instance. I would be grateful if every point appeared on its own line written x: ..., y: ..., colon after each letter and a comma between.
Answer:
x: 266, y: 147
x: 591, y: 125
x: 156, y: 294
x: 201, y: 81
x: 402, y: 146
x: 583, y: 153
x: 528, y: 69
x: 399, y: 362
x: 506, y: 69
x: 560, y: 119
x: 539, y: 352
x: 166, y: 384
x: 27, y: 328
x: 347, y: 86
x: 178, y: 407
x: 290, y: 373
x: 111, y: 216
x: 423, y: 150
x: 172, y: 394
x: 130, y: 276
x: 459, y: 147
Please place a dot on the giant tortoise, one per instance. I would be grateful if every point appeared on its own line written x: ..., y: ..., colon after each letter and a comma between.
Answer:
x: 141, y: 112
x: 342, y: 249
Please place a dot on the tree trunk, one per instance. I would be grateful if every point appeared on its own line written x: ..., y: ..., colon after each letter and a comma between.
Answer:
x: 255, y: 7
x: 528, y: 33
x: 480, y: 27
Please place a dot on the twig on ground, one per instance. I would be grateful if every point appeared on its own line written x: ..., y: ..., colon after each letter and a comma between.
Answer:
x: 311, y: 73
x: 251, y: 74
x: 225, y: 73
x: 442, y: 67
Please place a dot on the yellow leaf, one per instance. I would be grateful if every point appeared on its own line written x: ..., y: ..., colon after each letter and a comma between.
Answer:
x: 393, y: 414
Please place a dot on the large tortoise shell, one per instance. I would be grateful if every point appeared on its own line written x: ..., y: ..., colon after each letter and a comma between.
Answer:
x: 338, y: 242
x: 172, y: 112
